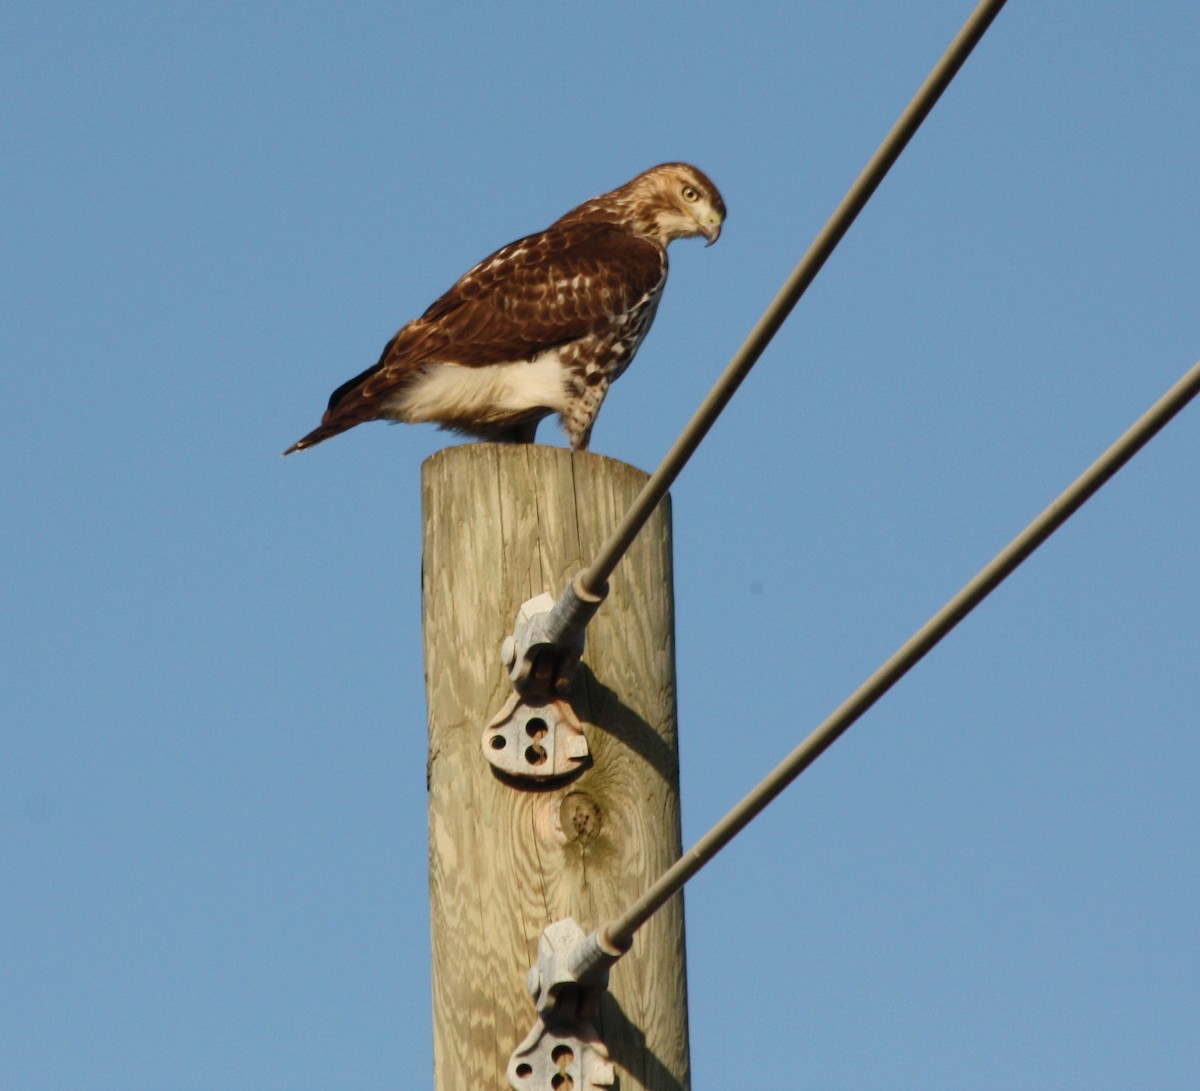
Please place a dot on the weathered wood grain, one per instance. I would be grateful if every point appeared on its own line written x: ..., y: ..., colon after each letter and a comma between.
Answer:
x: 504, y: 523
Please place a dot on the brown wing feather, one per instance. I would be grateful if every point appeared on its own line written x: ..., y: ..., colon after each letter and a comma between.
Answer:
x: 534, y: 294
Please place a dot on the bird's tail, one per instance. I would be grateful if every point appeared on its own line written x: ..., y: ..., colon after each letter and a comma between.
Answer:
x: 322, y: 432
x: 352, y: 403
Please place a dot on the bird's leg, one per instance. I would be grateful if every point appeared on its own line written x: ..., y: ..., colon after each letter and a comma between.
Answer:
x: 580, y: 437
x: 521, y: 433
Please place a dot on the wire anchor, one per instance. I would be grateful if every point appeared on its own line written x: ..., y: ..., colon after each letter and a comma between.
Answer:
x: 566, y: 985
x: 534, y: 738
x: 536, y: 734
x: 547, y: 638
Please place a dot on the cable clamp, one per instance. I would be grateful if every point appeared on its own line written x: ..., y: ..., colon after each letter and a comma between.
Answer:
x: 564, y: 1049
x: 547, y: 639
x: 537, y: 734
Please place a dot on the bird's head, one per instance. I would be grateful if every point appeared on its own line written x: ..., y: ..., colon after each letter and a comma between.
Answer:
x: 673, y: 201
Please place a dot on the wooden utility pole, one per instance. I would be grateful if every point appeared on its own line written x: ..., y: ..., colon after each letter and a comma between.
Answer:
x: 501, y: 525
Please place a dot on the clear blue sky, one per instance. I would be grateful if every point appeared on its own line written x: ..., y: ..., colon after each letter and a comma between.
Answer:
x: 212, y: 751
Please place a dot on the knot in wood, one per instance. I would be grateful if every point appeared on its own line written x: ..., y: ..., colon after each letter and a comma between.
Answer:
x: 580, y: 817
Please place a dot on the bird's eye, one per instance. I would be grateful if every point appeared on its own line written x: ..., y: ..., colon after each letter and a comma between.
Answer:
x: 690, y: 194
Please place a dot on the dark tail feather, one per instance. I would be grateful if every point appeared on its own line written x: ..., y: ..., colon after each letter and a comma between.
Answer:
x: 331, y: 427
x: 317, y: 435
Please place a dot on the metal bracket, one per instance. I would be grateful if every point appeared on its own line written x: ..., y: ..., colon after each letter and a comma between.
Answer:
x: 535, y: 738
x: 547, y: 639
x: 537, y: 734
x: 563, y: 1049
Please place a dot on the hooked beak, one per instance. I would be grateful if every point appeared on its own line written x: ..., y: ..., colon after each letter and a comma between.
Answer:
x: 711, y: 231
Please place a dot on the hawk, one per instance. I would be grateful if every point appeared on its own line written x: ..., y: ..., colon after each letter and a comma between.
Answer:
x: 542, y: 326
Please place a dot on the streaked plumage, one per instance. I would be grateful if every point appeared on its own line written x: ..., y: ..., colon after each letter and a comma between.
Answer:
x: 542, y: 326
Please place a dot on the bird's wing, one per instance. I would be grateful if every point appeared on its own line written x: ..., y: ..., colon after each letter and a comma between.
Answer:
x: 534, y: 294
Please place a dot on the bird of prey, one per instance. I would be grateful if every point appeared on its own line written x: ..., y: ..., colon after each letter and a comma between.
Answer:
x: 542, y: 326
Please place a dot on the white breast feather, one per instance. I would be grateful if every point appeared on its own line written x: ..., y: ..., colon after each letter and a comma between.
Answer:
x: 454, y: 392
